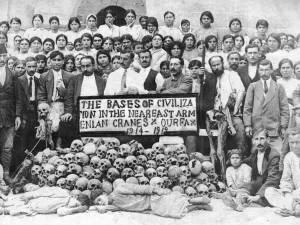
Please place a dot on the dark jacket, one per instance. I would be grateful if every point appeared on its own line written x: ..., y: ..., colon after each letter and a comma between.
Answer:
x: 23, y: 90
x: 10, y: 100
x: 150, y: 84
x: 74, y: 90
x: 270, y: 169
x: 46, y: 84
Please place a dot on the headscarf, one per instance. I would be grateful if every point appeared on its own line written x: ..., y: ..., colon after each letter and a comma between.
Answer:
x: 87, y: 18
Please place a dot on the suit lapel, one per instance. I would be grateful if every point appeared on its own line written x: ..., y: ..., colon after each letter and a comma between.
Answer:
x: 265, y: 160
x: 50, y: 84
x: 8, y: 77
x: 24, y: 82
x: 79, y: 85
x: 271, y: 93
x: 36, y: 83
x: 259, y: 93
x: 65, y: 78
x: 98, y: 83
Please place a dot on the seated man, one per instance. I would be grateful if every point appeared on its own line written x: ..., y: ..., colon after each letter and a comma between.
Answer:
x: 287, y: 197
x: 48, y: 200
x: 265, y: 173
x: 139, y: 198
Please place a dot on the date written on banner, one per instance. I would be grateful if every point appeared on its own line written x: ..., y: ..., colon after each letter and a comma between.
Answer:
x: 142, y: 116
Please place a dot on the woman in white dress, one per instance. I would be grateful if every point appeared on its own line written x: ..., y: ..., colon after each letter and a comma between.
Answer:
x: 37, y: 30
x: 130, y: 27
x: 61, y: 43
x: 151, y: 28
x: 24, y: 49
x: 158, y: 53
x: 109, y: 29
x: 74, y: 26
x: 15, y: 29
x: 87, y: 42
x: 169, y: 29
x: 91, y: 27
x: 54, y: 26
x: 35, y: 44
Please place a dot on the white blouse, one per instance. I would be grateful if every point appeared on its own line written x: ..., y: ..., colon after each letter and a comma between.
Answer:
x: 105, y: 31
x: 133, y: 31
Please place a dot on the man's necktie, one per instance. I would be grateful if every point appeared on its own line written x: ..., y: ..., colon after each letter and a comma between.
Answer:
x: 123, y: 81
x: 30, y: 87
x: 265, y: 87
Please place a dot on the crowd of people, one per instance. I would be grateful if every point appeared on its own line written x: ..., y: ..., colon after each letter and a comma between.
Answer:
x: 253, y: 81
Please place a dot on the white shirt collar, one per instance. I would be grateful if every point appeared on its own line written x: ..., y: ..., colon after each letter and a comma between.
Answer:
x: 28, y: 77
x: 268, y: 81
x: 89, y: 77
x: 57, y: 73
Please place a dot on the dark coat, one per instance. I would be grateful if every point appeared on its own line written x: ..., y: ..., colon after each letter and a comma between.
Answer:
x: 46, y: 84
x: 74, y: 90
x: 23, y: 90
x: 10, y: 100
x: 270, y: 169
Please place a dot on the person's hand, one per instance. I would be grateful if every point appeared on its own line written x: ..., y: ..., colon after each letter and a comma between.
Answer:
x: 211, y: 115
x: 251, y: 199
x: 25, y: 199
x: 248, y: 131
x: 23, y: 124
x: 59, y: 83
x: 285, y: 212
x: 66, y: 118
x: 17, y: 122
x: 131, y: 25
x: 108, y: 23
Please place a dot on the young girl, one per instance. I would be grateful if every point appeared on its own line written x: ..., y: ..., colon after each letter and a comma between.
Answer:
x: 238, y: 172
x: 190, y: 52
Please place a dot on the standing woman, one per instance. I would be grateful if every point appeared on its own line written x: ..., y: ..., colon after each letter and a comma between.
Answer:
x: 16, y: 48
x: 24, y: 49
x: 48, y: 46
x: 87, y: 42
x: 37, y: 30
x: 235, y: 27
x: 190, y: 52
x: 297, y: 70
x: 74, y: 29
x: 19, y: 68
x: 54, y: 25
x: 168, y: 40
x: 108, y: 45
x: 104, y: 63
x: 127, y: 42
x: 169, y: 29
x: 151, y: 28
x: 78, y: 45
x: 91, y: 27
x: 158, y: 54
x: 35, y: 45
x: 61, y: 43
x: 4, y: 26
x: 130, y: 27
x: 97, y: 41
x: 15, y: 29
x: 109, y: 29
x: 239, y: 42
x: 3, y: 38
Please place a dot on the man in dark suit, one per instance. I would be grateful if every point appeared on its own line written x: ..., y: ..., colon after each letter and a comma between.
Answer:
x: 265, y: 173
x: 86, y: 84
x: 54, y: 83
x: 28, y: 90
x: 10, y: 113
x: 249, y: 74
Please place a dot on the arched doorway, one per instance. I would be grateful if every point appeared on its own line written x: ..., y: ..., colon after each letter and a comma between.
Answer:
x: 120, y: 15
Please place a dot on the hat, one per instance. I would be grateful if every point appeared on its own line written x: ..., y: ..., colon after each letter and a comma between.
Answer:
x: 2, y: 49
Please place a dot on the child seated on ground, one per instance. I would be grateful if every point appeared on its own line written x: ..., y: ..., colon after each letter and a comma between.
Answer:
x: 46, y: 200
x: 141, y: 198
x: 238, y: 173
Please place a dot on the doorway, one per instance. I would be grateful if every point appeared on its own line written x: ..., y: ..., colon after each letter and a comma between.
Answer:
x: 120, y: 15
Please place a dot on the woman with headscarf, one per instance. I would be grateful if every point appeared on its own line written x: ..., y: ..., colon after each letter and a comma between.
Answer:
x: 130, y: 27
x: 185, y: 27
x: 91, y: 27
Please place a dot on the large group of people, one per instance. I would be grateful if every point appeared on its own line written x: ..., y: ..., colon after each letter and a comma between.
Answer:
x: 253, y: 81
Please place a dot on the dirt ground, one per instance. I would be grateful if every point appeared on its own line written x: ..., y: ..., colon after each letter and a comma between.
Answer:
x: 221, y: 215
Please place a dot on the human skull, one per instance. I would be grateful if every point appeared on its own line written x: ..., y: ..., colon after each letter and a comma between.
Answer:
x: 43, y: 110
x: 161, y: 160
x: 97, y: 174
x: 53, y: 159
x: 150, y: 173
x: 71, y: 181
x: 221, y: 186
x: 47, y: 169
x: 158, y: 147
x: 139, y: 149
x: 178, y: 188
x: 112, y: 174
x: 113, y: 143
x: 51, y: 180
x: 132, y: 180
x: 150, y: 154
x: 131, y: 161
x: 183, y: 182
x: 157, y: 182
x: 172, y: 162
x: 195, y: 167
x: 87, y: 172
x: 119, y: 164
x: 180, y: 149
x: 167, y: 182
x: 183, y: 160
x: 104, y: 165
x: 112, y: 155
x: 151, y: 164
x: 61, y: 171
x: 74, y: 168
x: 124, y: 150
x: 95, y: 160
x: 142, y: 160
x: 89, y: 148
x: 211, y: 189
x: 81, y: 159
x: 101, y: 151
x: 170, y: 152
x: 186, y: 172
x: 202, y: 190
x: 203, y: 179
x: 214, y: 178
x: 76, y: 146
x: 46, y: 155
x: 197, y: 155
x: 143, y: 181
x: 58, y: 162
x: 81, y: 184
x: 161, y: 171
x: 36, y: 170
x: 117, y: 182
x: 191, y: 192
x: 208, y: 168
x: 126, y: 173
x: 94, y: 184
x: 174, y: 173
x: 139, y: 171
x: 61, y: 183
x: 42, y: 181
x: 107, y: 187
x: 69, y: 158
x: 75, y: 193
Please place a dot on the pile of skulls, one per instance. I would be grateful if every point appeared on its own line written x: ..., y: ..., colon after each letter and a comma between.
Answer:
x: 92, y: 164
